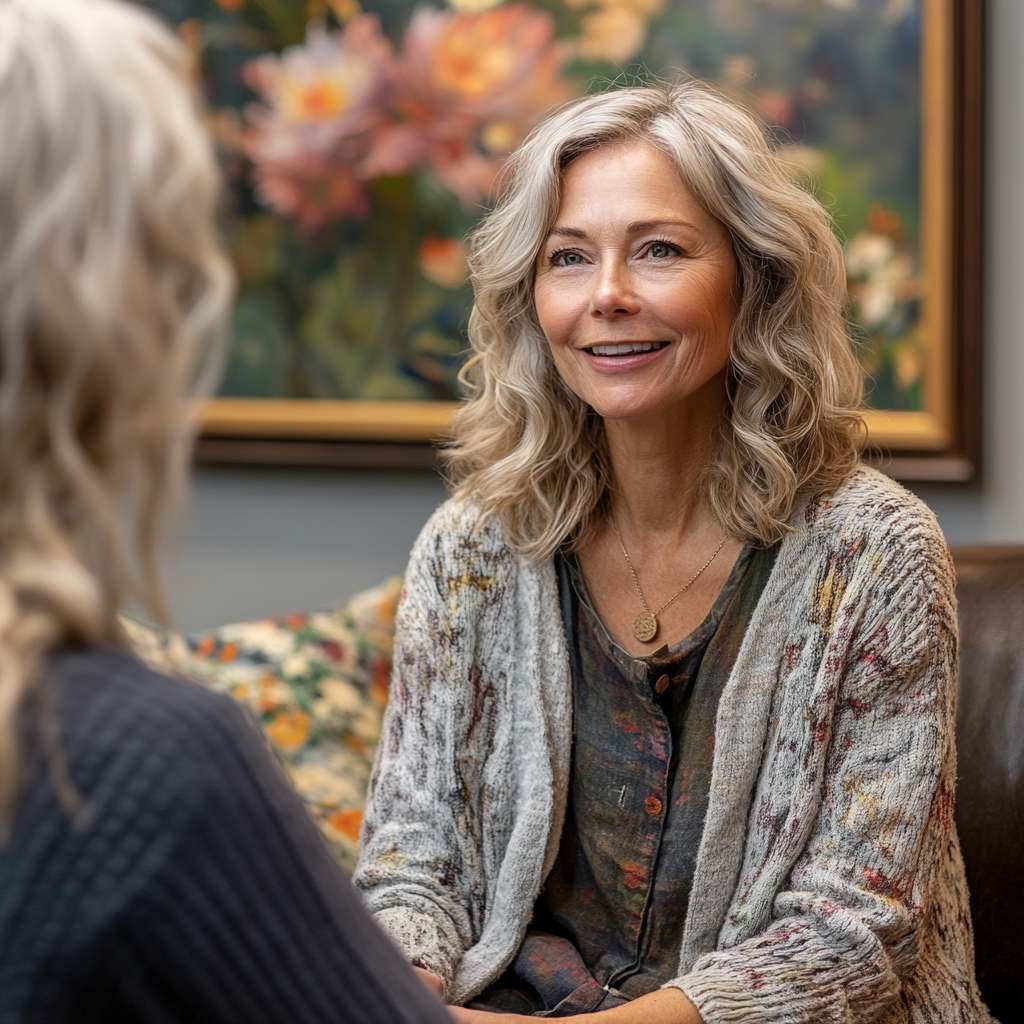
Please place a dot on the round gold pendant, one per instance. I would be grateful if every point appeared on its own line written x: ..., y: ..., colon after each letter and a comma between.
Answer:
x: 645, y: 626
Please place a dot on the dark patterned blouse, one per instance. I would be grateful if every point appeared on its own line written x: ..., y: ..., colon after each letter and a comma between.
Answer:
x: 608, y: 925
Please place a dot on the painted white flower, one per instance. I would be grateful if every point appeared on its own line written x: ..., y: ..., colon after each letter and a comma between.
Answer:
x: 337, y: 698
x: 231, y: 676
x: 321, y: 784
x: 264, y: 636
x: 866, y: 252
x: 803, y: 162
x: 473, y: 6
x: 295, y: 665
x: 883, y: 286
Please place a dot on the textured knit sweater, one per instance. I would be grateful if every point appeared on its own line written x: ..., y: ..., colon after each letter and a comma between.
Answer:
x: 828, y: 885
x: 192, y: 887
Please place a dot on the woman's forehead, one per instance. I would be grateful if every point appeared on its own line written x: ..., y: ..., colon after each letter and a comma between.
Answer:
x: 632, y: 183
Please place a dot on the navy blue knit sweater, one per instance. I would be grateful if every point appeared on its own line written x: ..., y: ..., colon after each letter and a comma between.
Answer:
x: 193, y: 887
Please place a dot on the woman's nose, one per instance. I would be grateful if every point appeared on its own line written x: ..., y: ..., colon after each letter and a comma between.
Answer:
x: 613, y: 293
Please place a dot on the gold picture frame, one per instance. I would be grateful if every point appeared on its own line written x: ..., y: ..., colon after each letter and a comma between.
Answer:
x: 941, y: 442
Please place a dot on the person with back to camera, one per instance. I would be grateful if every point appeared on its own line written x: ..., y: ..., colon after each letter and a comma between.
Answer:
x: 670, y: 735
x: 155, y: 865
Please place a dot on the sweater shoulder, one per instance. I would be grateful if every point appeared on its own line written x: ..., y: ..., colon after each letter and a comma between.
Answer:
x: 116, y: 678
x: 872, y: 529
x: 875, y: 513
x: 459, y: 545
x: 459, y: 523
x: 122, y: 720
x: 146, y: 758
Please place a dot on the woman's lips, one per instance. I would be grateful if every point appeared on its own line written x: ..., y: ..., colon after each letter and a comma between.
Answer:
x: 623, y: 355
x: 624, y: 348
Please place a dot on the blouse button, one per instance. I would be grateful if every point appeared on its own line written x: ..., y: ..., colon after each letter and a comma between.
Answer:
x: 652, y: 805
x: 662, y: 684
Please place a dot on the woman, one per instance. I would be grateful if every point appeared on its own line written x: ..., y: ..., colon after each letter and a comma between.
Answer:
x: 155, y: 865
x: 671, y: 728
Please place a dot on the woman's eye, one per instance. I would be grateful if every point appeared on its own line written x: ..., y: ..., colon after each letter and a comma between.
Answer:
x: 659, y: 250
x: 567, y: 258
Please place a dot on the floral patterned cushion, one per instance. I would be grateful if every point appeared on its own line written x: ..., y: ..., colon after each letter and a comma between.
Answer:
x: 315, y: 682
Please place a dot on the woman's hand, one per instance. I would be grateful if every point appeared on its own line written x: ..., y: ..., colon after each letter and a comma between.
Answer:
x: 666, y: 1006
x: 431, y: 980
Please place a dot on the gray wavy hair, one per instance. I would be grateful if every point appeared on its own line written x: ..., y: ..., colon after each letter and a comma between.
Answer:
x: 111, y: 277
x: 528, y: 450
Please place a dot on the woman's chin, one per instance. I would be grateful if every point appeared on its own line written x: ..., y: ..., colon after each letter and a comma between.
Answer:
x: 654, y: 401
x: 626, y: 411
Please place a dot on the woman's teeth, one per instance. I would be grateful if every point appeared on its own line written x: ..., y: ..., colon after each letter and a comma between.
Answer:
x: 626, y: 348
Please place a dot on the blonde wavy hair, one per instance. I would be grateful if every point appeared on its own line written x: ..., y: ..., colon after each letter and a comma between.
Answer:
x: 528, y: 450
x: 111, y: 278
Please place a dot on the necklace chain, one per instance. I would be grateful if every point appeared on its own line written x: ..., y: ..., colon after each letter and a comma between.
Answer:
x: 645, y: 626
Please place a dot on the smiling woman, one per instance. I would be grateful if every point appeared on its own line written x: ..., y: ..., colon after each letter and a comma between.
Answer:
x: 532, y: 449
x: 632, y: 255
x: 636, y: 288
x: 670, y: 736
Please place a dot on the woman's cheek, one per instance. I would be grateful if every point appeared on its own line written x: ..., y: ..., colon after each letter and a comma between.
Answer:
x: 548, y: 315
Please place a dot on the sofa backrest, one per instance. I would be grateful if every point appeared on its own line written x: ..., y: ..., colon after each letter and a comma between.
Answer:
x: 990, y: 751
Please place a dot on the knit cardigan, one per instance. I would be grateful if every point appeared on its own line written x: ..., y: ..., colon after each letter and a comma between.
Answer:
x: 828, y: 886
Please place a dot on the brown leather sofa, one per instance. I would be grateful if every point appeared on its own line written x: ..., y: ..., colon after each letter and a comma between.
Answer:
x: 990, y: 746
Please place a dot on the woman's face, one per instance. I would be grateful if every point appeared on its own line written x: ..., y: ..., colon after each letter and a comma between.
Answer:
x: 635, y: 286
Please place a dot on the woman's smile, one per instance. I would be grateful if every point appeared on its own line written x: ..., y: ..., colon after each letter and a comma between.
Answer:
x: 618, y: 357
x: 636, y: 284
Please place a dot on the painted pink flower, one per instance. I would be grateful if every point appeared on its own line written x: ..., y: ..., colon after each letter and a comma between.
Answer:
x: 775, y: 108
x: 312, y: 190
x: 472, y: 86
x: 340, y: 109
x: 322, y: 104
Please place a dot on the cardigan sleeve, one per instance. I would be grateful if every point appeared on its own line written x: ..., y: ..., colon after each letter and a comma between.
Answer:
x: 420, y: 869
x: 870, y: 824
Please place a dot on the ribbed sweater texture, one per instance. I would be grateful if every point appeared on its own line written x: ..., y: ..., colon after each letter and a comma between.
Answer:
x: 192, y: 885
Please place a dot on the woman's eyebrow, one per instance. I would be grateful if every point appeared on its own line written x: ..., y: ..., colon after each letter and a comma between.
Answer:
x: 639, y: 226
x: 635, y: 228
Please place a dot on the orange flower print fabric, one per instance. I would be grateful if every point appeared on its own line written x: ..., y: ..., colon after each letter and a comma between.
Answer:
x: 316, y: 683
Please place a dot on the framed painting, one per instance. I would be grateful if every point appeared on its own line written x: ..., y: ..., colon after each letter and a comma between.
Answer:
x: 362, y: 143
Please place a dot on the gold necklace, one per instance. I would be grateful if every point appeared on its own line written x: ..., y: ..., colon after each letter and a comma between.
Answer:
x: 645, y: 625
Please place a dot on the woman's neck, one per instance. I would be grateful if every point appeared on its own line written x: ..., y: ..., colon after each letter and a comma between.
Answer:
x: 659, y: 466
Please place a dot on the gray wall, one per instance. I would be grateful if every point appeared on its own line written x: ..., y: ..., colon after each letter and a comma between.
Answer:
x: 264, y: 541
